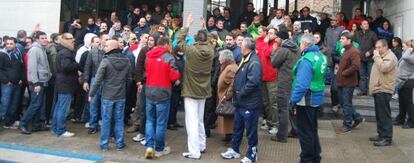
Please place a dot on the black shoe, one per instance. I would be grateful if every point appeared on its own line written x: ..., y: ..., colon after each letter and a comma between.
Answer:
x: 121, y: 148
x: 397, y: 123
x: 203, y: 151
x: 408, y: 125
x: 76, y: 120
x: 214, y: 126
x: 172, y: 127
x: 277, y: 139
x: 375, y: 138
x: 208, y: 133
x: 43, y: 128
x: 361, y: 94
x: 382, y: 142
x: 176, y: 125
x: 92, y: 131
x: 358, y: 122
x: 292, y: 135
x: 25, y: 131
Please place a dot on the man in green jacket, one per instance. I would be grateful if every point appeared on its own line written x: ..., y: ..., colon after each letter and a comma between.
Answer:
x: 196, y: 87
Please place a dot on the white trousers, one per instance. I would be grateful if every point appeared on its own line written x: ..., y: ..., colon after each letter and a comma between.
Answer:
x: 194, y: 123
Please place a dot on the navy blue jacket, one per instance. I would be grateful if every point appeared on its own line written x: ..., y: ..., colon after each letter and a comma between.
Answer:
x: 128, y: 53
x: 247, y: 91
x: 237, y: 54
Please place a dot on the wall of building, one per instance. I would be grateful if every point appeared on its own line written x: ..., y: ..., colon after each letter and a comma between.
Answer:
x: 24, y: 14
x: 326, y: 6
x: 400, y: 13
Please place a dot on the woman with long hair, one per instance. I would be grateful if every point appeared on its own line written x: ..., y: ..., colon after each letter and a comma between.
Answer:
x: 397, y: 47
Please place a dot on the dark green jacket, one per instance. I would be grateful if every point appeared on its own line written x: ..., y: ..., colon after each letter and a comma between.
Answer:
x: 197, y: 68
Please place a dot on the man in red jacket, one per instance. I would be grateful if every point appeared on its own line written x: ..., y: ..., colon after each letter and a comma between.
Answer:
x: 264, y: 47
x: 357, y: 19
x: 161, y: 74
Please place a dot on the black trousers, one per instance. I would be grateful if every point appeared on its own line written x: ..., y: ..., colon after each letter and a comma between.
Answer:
x: 383, y: 115
x: 210, y: 115
x: 334, y: 93
x: 405, y: 100
x: 307, y: 129
x: 131, y: 100
x: 175, y: 103
x: 50, y: 101
x: 284, y: 108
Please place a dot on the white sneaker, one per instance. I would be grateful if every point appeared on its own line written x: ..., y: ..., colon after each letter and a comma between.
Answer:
x: 230, y: 154
x: 264, y: 127
x: 67, y: 134
x: 395, y: 96
x: 138, y: 138
x: 143, y: 142
x: 100, y: 122
x: 191, y: 156
x: 166, y: 151
x: 247, y: 160
x: 87, y: 125
x: 335, y: 108
x: 273, y: 131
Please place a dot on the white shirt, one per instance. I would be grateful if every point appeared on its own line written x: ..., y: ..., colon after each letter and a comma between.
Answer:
x: 136, y: 52
x: 276, y: 22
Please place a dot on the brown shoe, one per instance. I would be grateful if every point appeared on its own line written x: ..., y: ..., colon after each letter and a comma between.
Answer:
x: 345, y: 130
x: 133, y: 128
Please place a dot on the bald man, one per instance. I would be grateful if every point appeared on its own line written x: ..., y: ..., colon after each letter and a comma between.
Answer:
x: 112, y: 76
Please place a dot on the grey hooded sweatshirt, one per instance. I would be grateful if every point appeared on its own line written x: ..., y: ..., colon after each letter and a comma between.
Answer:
x: 112, y: 76
x: 38, y: 66
x: 284, y: 59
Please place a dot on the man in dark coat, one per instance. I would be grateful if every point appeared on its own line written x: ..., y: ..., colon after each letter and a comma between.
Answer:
x: 247, y: 99
x: 67, y: 84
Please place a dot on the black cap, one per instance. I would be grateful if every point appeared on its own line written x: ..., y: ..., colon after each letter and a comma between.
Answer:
x: 282, y: 35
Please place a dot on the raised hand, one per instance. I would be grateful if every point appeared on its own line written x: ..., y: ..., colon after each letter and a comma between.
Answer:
x: 190, y: 20
x: 203, y: 22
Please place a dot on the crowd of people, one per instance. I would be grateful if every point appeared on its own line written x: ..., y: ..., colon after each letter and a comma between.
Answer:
x: 139, y: 70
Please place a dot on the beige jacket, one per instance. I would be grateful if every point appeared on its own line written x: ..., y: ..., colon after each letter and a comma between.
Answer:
x: 383, y: 73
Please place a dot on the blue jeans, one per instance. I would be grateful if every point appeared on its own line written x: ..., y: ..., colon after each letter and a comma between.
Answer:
x: 34, y: 111
x: 364, y: 73
x: 10, y: 97
x: 307, y: 129
x: 245, y: 119
x: 60, y: 113
x: 115, y: 109
x: 93, y: 106
x: 157, y: 118
x: 350, y: 114
x: 143, y: 117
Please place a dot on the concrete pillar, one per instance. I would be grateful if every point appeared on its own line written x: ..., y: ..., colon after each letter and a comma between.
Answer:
x: 197, y: 8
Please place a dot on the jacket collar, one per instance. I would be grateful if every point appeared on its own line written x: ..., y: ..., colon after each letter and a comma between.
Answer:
x: 313, y: 48
x: 246, y: 59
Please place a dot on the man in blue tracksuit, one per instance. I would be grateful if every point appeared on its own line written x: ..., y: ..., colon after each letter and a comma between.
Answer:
x: 247, y: 99
x: 307, y: 95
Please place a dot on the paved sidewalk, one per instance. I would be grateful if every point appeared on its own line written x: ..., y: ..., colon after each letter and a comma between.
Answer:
x: 336, y: 147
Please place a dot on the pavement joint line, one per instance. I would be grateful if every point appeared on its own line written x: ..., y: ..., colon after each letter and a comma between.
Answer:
x: 90, y: 157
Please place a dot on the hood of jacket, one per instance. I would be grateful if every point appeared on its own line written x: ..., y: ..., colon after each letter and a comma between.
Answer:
x: 313, y: 48
x: 289, y: 44
x: 205, y: 50
x: 88, y: 40
x: 157, y: 52
x: 35, y: 44
x: 117, y: 59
